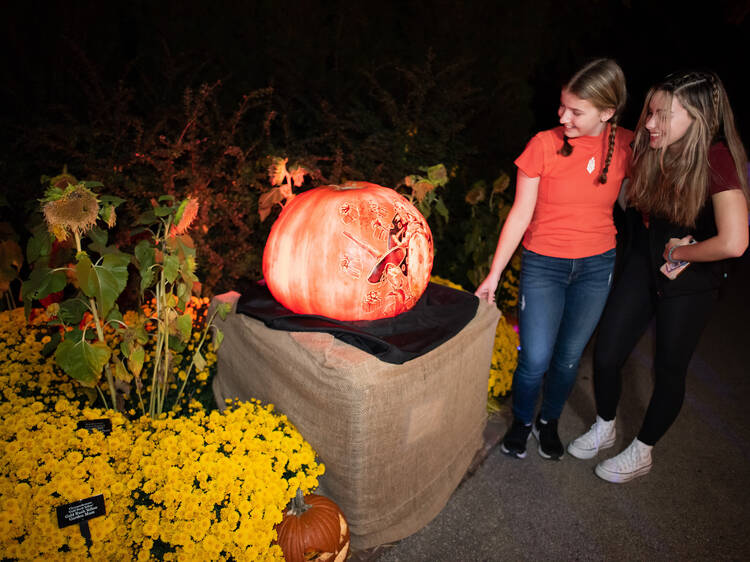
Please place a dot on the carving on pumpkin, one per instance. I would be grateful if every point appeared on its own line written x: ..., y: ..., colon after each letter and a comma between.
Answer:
x: 371, y: 262
x: 379, y: 228
x: 371, y: 302
x: 351, y: 266
x: 349, y: 213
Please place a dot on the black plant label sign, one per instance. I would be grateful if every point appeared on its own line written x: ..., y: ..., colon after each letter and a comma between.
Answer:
x: 80, y: 512
x: 104, y: 425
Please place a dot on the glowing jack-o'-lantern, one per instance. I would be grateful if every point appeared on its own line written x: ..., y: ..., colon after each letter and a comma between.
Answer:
x: 358, y: 251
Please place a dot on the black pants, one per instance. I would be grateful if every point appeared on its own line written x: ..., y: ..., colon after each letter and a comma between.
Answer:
x: 679, y: 323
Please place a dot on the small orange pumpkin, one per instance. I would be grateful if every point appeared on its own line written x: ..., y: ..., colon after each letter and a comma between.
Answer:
x: 358, y: 251
x: 313, y: 528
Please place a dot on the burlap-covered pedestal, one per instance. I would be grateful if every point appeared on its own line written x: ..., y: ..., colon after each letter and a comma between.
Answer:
x: 396, y: 439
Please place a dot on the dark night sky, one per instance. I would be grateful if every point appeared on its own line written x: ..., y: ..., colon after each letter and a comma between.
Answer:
x: 55, y: 49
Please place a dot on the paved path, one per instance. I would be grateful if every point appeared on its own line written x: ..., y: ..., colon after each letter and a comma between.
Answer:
x: 694, y: 505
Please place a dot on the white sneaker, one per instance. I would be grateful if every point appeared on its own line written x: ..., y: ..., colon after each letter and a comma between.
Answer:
x: 633, y: 462
x: 600, y: 436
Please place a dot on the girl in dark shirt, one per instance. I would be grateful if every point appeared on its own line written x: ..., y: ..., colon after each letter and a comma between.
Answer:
x: 688, y: 215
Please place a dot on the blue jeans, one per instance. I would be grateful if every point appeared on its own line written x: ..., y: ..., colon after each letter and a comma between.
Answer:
x: 560, y: 302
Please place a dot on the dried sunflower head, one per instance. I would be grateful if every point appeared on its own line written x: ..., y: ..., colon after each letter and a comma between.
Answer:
x: 75, y: 210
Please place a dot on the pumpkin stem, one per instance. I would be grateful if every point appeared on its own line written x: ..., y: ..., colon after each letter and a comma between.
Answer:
x: 298, y: 506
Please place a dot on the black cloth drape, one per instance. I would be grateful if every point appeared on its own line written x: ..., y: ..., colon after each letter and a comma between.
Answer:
x: 439, y: 315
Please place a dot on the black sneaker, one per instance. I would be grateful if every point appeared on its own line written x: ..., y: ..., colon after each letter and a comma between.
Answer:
x: 514, y: 442
x: 550, y: 446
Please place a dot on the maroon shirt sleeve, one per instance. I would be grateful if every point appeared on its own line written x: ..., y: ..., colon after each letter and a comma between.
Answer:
x: 723, y: 171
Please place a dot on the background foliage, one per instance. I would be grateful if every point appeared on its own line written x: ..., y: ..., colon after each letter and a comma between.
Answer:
x: 189, y: 97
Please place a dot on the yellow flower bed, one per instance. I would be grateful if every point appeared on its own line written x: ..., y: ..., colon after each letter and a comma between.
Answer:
x: 504, y: 354
x: 201, y: 486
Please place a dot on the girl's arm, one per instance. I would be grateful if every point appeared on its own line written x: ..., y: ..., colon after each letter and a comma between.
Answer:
x: 730, y: 212
x: 510, y: 236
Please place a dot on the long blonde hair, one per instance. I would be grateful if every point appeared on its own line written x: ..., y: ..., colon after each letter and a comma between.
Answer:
x: 672, y: 181
x: 602, y: 83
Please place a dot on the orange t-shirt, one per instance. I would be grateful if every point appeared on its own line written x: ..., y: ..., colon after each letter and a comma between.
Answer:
x: 573, y: 214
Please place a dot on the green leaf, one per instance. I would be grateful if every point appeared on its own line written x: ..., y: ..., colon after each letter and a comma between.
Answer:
x: 72, y: 310
x: 144, y: 253
x: 121, y: 372
x: 183, y: 291
x: 441, y: 208
x: 43, y: 281
x: 91, y: 396
x: 114, y: 315
x: 111, y: 200
x: 176, y: 344
x: 113, y: 277
x: 103, y: 282
x: 148, y: 217
x: 145, y: 256
x: 223, y: 310
x: 437, y: 174
x: 85, y: 275
x: 218, y: 338
x: 171, y: 268
x: 82, y: 360
x: 199, y: 361
x: 424, y: 208
x: 52, y: 194
x: 162, y: 211
x: 187, y: 250
x: 51, y: 345
x: 189, y: 278
x: 141, y: 335
x: 39, y: 245
x: 185, y: 326
x: 166, y: 198
x: 180, y: 211
x: 99, y: 236
x: 135, y: 359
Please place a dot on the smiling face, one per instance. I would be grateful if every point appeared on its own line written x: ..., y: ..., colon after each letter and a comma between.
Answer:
x: 666, y: 124
x: 580, y: 117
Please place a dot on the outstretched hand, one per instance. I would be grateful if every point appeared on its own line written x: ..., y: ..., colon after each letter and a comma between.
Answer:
x: 486, y: 289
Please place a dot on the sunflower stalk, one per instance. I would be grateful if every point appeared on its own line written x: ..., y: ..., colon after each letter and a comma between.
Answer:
x: 163, y: 313
x: 100, y: 336
x: 198, y: 348
x: 165, y: 261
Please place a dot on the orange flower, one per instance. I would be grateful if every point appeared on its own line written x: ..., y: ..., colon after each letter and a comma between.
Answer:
x: 186, y: 214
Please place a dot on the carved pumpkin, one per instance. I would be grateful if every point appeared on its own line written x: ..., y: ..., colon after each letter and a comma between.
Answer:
x: 313, y: 529
x: 358, y: 251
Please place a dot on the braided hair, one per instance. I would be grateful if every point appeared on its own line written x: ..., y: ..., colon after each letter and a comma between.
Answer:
x: 672, y: 181
x: 602, y: 83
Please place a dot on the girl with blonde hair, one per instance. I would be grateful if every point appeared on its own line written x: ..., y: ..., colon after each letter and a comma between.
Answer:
x: 568, y: 180
x: 688, y: 216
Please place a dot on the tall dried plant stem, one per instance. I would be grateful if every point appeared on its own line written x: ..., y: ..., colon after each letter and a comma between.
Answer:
x: 159, y: 387
x: 206, y: 328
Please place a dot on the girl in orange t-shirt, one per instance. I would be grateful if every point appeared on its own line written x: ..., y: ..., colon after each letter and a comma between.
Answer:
x: 568, y: 181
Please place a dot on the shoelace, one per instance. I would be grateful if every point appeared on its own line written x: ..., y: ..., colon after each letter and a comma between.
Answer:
x: 597, y: 434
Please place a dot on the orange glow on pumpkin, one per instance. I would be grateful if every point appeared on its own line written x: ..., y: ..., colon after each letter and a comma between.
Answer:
x: 358, y: 251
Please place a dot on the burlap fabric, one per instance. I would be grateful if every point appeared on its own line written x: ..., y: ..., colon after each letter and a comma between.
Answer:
x: 396, y: 439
